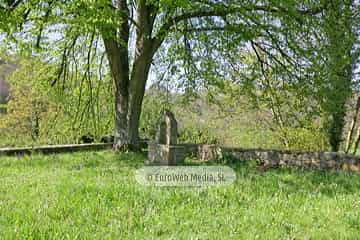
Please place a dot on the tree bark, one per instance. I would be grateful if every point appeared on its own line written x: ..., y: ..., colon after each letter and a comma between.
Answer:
x: 137, y: 91
x: 118, y: 56
x: 349, y: 139
x: 336, y: 129
x: 144, y: 52
x: 357, y: 141
x: 120, y: 75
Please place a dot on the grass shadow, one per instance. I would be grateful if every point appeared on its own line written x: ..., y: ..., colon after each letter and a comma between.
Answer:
x: 291, y: 180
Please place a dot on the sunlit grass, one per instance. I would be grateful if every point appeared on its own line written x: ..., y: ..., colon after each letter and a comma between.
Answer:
x: 94, y: 196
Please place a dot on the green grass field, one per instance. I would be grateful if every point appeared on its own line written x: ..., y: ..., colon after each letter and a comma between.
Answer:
x: 94, y: 196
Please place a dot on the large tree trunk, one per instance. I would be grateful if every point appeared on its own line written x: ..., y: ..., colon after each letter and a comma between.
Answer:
x: 121, y: 138
x: 336, y: 127
x: 129, y: 87
x: 349, y: 139
x: 144, y: 52
x: 138, y: 80
x: 121, y: 81
x: 137, y: 91
x: 118, y: 56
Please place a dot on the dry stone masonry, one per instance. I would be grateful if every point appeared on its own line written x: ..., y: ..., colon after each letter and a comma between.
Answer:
x: 301, y: 159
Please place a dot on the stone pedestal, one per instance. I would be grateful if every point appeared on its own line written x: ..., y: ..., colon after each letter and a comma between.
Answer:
x: 165, y: 150
x: 162, y: 154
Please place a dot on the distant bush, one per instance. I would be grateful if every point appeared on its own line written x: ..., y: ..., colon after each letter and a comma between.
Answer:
x: 149, y: 117
x: 31, y: 109
x: 38, y: 113
x: 198, y: 135
x: 311, y: 138
x: 152, y: 107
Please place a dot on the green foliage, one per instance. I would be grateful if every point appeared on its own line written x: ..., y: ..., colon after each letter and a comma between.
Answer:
x: 39, y: 113
x: 335, y: 67
x: 31, y: 109
x: 201, y: 45
x: 311, y: 138
x: 201, y: 135
x: 152, y: 107
x: 88, y: 108
x: 287, y: 107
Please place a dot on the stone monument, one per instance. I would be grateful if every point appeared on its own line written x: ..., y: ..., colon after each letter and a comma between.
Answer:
x: 165, y: 151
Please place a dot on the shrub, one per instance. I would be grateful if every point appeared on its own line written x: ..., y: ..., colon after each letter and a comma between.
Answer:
x: 311, y: 138
x: 200, y: 135
x: 151, y: 111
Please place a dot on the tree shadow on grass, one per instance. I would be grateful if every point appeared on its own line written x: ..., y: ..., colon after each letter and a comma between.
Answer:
x: 286, y: 180
x: 132, y: 160
x: 304, y: 181
x: 74, y: 161
x: 291, y: 180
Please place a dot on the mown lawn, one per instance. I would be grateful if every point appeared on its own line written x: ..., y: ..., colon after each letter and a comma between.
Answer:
x: 94, y: 195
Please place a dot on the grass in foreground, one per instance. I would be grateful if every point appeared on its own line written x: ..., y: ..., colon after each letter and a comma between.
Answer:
x: 94, y: 196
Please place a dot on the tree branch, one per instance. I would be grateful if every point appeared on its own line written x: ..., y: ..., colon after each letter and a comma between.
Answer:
x: 221, y: 10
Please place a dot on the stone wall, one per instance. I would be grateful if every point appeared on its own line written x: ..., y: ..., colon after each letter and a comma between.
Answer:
x: 54, y: 149
x: 302, y: 159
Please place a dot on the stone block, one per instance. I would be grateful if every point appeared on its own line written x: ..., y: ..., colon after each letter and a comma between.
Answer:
x: 168, y: 155
x: 207, y: 152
